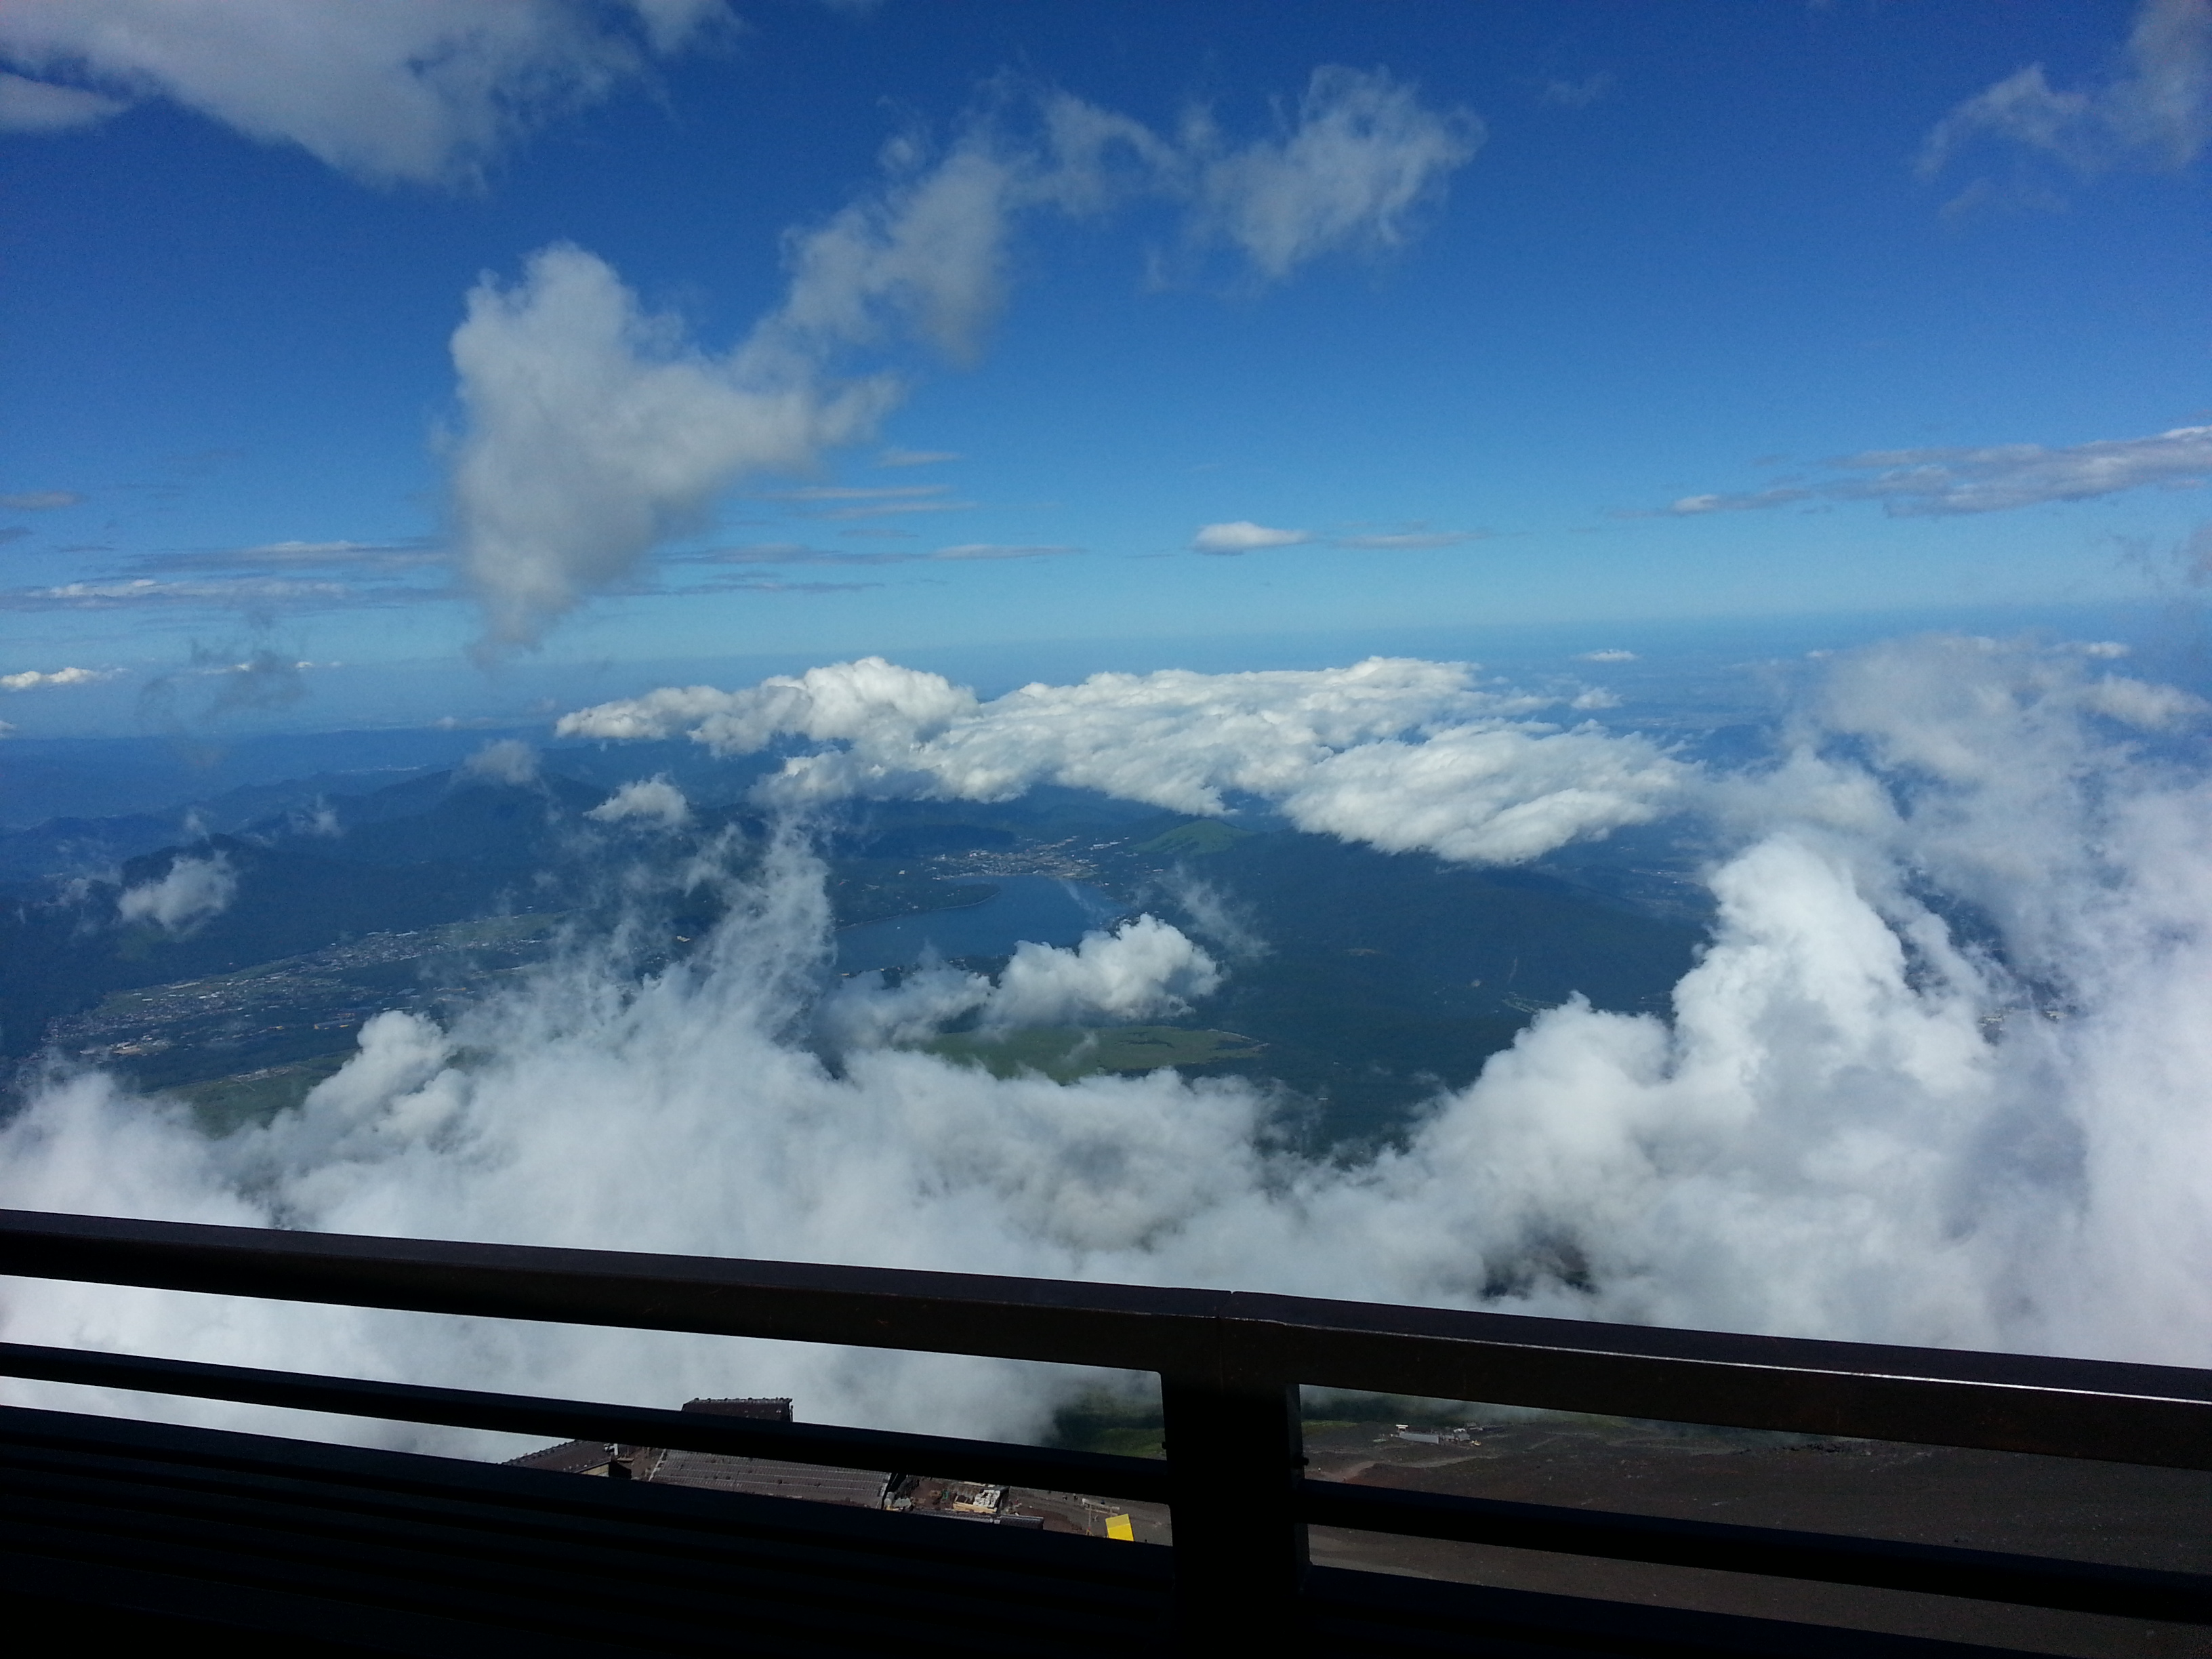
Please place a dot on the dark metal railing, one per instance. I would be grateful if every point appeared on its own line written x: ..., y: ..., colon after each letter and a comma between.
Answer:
x: 1230, y: 1364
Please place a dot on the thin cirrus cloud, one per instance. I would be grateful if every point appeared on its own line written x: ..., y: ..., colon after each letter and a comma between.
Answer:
x: 2156, y: 108
x: 1994, y: 479
x: 1578, y: 94
x: 145, y: 593
x: 415, y: 91
x: 596, y: 432
x: 1243, y: 536
x: 293, y: 555
x: 1406, y: 540
x: 39, y: 500
x: 917, y: 457
x: 787, y: 553
x: 851, y: 502
x: 287, y: 575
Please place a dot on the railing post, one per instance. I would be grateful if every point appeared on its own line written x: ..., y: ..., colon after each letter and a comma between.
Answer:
x: 1234, y: 1454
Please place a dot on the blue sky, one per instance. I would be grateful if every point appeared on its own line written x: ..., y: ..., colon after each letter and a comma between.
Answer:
x: 1446, y: 314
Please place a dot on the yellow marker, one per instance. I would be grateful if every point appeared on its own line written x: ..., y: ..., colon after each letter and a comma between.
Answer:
x: 1117, y: 1526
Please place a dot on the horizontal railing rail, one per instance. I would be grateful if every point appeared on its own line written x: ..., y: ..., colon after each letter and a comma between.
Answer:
x: 1050, y: 1468
x: 1230, y: 1364
x: 2131, y: 1414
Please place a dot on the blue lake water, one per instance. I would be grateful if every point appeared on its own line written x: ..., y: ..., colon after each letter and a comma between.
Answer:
x: 1044, y: 909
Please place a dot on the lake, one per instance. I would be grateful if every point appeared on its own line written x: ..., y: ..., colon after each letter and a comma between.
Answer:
x: 1044, y: 909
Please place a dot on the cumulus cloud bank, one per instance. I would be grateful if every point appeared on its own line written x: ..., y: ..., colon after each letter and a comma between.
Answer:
x: 597, y: 430
x: 31, y: 679
x: 423, y: 91
x: 1938, y: 1077
x: 1401, y: 754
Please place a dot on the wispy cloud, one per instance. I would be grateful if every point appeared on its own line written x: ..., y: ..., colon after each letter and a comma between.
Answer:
x: 40, y: 106
x: 2156, y: 107
x: 994, y: 551
x: 1243, y: 536
x: 1918, y: 482
x: 145, y: 593
x: 789, y: 553
x: 293, y: 555
x: 1781, y: 495
x: 39, y: 501
x: 1406, y: 540
x: 855, y: 501
x: 1365, y: 153
x: 1606, y: 656
x: 1578, y: 95
x: 854, y: 493
x: 917, y: 457
x: 14, y: 532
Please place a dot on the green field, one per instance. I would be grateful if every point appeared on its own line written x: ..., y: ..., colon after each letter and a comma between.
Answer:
x: 1065, y: 1053
x: 231, y: 1102
x: 1196, y: 839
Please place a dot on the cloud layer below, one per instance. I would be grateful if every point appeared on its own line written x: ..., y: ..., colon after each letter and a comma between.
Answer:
x: 1938, y: 1077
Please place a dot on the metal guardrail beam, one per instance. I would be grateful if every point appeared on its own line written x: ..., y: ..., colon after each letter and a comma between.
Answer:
x: 2154, y: 1414
x: 1143, y: 1478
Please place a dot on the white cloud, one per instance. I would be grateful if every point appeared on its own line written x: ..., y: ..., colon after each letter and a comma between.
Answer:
x: 28, y: 105
x: 1606, y: 656
x: 595, y: 432
x: 39, y: 500
x: 652, y: 800
x: 30, y: 679
x: 1243, y: 536
x: 917, y: 457
x: 425, y: 91
x: 504, y: 760
x: 189, y: 892
x: 1993, y: 478
x: 1143, y: 970
x: 1364, y: 154
x: 1401, y: 754
x: 2158, y: 107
